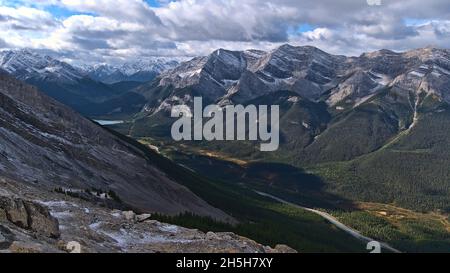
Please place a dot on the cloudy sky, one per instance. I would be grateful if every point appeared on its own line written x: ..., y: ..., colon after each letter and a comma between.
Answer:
x: 117, y: 30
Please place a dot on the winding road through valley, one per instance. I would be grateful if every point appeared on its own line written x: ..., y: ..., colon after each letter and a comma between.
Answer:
x: 333, y: 221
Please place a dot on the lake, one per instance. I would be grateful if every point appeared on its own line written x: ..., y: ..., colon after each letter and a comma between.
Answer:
x: 109, y: 122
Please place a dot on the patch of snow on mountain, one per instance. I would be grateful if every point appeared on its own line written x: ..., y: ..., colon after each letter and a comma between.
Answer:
x: 417, y: 74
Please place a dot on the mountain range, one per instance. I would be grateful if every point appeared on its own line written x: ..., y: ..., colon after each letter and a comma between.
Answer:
x: 141, y: 71
x: 57, y: 79
x: 371, y: 128
x: 91, y: 90
x: 373, y: 121
x: 342, y: 82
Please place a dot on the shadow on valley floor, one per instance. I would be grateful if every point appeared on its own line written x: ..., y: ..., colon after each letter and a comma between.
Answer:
x: 288, y: 182
x: 403, y: 229
x: 260, y: 218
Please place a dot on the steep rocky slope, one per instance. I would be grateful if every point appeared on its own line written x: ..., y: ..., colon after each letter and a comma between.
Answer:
x: 45, y: 144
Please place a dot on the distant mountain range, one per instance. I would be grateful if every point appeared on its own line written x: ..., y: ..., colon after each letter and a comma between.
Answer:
x: 25, y: 65
x: 141, y: 71
x: 91, y: 90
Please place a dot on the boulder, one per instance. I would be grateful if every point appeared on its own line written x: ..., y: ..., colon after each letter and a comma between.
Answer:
x: 280, y: 249
x: 26, y: 247
x: 143, y: 217
x: 6, y: 238
x: 212, y: 236
x: 41, y: 221
x: 129, y: 215
x: 13, y: 210
x: 29, y: 215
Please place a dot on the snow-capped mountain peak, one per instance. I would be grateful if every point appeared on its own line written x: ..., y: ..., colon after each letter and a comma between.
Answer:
x: 141, y: 70
x: 157, y: 65
x: 25, y: 64
x: 238, y: 76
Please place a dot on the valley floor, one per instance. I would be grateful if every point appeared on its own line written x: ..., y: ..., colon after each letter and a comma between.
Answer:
x: 401, y: 229
x: 334, y: 221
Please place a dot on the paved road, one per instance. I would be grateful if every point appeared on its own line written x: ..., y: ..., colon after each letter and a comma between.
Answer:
x: 333, y: 221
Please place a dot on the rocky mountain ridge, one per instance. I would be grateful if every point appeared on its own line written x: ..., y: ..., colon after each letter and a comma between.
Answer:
x: 91, y: 90
x: 239, y: 76
x: 140, y: 71
x: 25, y: 65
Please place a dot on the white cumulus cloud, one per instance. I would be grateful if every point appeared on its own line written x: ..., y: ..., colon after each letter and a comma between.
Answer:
x: 115, y: 30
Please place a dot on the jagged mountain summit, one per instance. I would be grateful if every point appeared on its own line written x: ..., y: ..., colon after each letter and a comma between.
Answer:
x: 96, y: 90
x: 57, y: 79
x: 25, y: 65
x: 47, y: 145
x: 236, y: 77
x: 141, y: 71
